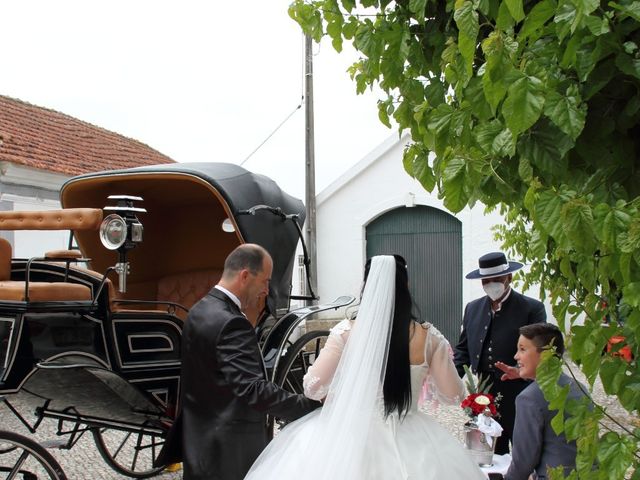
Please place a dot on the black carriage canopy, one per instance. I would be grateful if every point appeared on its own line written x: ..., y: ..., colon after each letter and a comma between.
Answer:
x: 184, y: 244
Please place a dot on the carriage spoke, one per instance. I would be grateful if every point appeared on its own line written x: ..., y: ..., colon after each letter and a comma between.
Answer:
x: 124, y: 442
x: 136, y: 451
x: 16, y: 468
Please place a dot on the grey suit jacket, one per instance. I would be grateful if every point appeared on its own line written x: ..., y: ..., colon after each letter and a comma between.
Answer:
x: 536, y: 446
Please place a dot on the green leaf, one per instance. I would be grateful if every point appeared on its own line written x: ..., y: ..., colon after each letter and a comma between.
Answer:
x: 628, y: 64
x: 515, y: 9
x: 466, y: 18
x: 503, y: 144
x: 523, y: 105
x: 485, y: 134
x: 632, y: 9
x: 609, y: 222
x: 349, y: 5
x: 597, y: 25
x: 498, y: 65
x: 577, y: 219
x: 368, y: 42
x: 440, y: 118
x: 566, y: 112
x: 615, y: 453
x: 504, y: 20
x: 383, y: 114
x: 434, y: 92
x: 632, y: 294
x: 537, y: 17
x: 525, y: 171
x: 545, y: 146
x: 549, y: 212
x: 453, y: 184
x: 417, y: 8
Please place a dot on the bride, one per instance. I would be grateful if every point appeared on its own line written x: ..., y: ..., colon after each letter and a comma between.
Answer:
x: 370, y: 374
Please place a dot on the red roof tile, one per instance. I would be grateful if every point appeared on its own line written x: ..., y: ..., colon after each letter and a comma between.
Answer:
x: 48, y: 140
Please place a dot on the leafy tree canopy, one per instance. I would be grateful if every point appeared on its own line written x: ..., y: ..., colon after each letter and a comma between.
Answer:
x: 531, y: 107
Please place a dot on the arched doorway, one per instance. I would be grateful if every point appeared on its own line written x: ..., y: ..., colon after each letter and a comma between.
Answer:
x: 431, y: 242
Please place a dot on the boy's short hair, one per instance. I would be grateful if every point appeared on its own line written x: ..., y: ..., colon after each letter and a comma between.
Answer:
x: 543, y: 336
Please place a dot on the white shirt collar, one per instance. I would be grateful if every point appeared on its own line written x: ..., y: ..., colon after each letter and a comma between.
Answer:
x: 233, y: 298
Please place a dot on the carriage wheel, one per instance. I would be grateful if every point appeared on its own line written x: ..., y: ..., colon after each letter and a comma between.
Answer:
x: 294, y: 365
x: 299, y: 357
x: 22, y: 457
x: 129, y: 453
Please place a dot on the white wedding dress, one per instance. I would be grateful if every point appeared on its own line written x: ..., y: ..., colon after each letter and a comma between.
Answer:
x: 415, y: 447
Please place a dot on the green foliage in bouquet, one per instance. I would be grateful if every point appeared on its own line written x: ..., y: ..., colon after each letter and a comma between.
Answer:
x: 479, y: 384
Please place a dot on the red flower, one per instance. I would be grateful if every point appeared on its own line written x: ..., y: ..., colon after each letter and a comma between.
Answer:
x: 476, y: 403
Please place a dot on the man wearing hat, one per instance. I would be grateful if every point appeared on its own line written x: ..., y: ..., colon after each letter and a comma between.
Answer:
x: 490, y: 334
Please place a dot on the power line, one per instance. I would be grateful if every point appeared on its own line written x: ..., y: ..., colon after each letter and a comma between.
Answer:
x: 272, y: 133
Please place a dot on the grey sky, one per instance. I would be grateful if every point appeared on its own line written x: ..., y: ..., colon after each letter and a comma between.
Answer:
x: 196, y: 80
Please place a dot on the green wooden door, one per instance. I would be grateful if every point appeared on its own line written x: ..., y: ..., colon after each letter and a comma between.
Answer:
x: 431, y: 242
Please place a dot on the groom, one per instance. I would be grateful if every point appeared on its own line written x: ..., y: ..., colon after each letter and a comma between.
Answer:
x: 225, y: 392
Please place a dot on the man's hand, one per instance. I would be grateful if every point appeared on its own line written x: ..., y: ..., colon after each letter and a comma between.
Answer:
x: 509, y: 372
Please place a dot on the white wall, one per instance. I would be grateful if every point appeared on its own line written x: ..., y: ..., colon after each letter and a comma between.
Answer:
x: 373, y: 186
x: 28, y: 243
x: 31, y: 181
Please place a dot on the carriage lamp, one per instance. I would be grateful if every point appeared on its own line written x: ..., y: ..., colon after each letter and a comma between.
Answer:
x: 122, y: 231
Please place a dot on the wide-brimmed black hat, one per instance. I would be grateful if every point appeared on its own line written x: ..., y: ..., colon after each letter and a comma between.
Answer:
x: 494, y: 264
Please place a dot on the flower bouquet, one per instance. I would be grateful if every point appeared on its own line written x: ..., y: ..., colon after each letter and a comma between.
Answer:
x: 481, y: 431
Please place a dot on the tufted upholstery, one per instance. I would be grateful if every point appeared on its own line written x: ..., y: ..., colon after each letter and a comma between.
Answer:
x: 66, y: 219
x: 38, y: 291
x: 187, y: 288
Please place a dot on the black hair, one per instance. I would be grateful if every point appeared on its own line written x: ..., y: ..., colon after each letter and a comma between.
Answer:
x: 247, y: 256
x: 397, y: 378
x: 544, y: 336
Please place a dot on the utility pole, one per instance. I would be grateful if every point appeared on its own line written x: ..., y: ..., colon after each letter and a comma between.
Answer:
x: 310, y: 167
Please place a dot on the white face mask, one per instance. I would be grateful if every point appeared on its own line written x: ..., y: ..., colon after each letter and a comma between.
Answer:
x: 494, y: 289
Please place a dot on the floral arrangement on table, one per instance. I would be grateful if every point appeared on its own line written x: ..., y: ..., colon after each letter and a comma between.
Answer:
x: 479, y: 399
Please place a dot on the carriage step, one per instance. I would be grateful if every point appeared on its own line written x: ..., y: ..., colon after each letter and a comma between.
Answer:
x: 54, y: 443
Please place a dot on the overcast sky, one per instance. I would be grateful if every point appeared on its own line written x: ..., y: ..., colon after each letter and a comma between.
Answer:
x: 196, y: 80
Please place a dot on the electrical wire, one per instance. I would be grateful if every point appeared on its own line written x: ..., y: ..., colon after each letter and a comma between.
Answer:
x: 272, y: 133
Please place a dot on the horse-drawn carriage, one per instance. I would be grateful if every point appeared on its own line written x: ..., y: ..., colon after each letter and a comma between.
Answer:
x: 93, y: 332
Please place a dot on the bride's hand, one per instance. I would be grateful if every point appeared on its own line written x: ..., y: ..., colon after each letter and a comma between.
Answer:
x: 509, y: 372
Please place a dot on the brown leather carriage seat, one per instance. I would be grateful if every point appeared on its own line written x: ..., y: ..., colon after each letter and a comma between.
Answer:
x: 187, y: 288
x: 72, y: 218
x: 15, y: 290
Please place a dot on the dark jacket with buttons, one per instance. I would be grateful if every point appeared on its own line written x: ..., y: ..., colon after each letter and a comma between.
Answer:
x: 502, y: 340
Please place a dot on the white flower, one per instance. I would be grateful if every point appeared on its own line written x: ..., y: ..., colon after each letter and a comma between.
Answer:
x: 482, y: 400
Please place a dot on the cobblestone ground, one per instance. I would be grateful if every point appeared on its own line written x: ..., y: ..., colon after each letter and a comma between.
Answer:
x: 84, y: 462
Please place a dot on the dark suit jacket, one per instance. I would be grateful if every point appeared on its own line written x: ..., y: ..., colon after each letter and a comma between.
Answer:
x: 516, y: 311
x: 535, y: 445
x: 225, y: 393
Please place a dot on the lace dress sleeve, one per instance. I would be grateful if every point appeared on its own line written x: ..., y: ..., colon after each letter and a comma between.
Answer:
x: 318, y: 378
x: 443, y: 379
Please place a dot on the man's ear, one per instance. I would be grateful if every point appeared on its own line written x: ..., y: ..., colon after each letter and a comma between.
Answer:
x: 243, y: 275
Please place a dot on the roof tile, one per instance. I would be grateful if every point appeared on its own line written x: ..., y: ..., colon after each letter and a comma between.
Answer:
x: 41, y: 138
